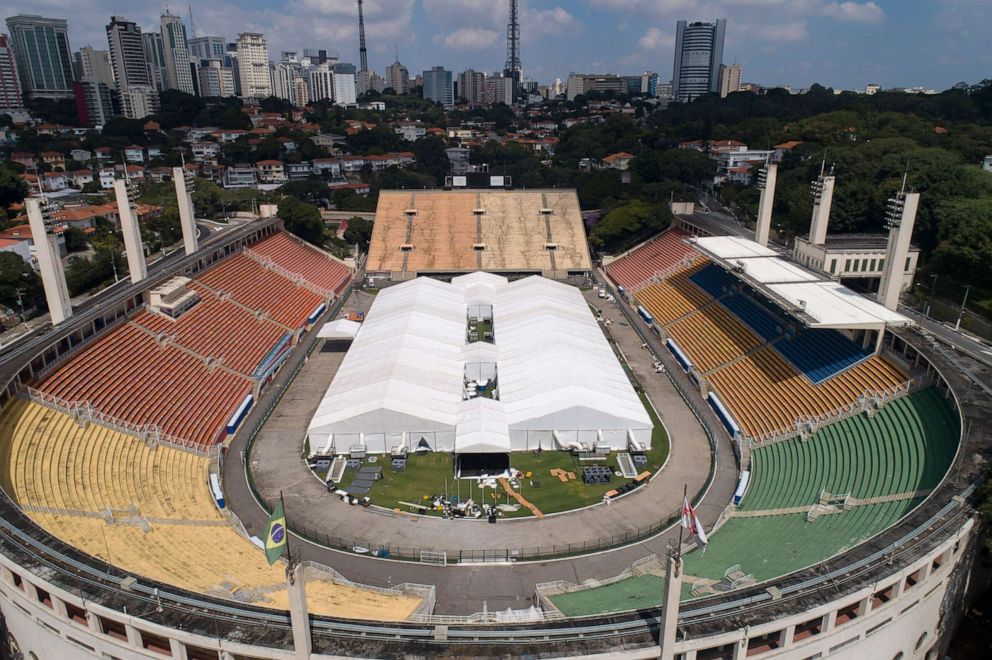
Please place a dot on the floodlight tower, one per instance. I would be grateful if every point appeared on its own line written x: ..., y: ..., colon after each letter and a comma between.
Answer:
x: 125, y: 191
x: 900, y: 218
x: 767, y: 177
x: 513, y: 67
x: 823, y: 195
x: 49, y: 259
x: 185, y: 184
x: 362, y: 52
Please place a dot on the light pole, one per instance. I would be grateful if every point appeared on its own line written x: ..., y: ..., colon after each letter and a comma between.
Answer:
x: 933, y: 285
x: 964, y: 302
x: 20, y: 302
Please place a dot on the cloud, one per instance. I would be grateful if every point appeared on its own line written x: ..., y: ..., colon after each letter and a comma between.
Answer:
x: 656, y: 39
x: 468, y: 38
x: 555, y: 21
x: 858, y: 12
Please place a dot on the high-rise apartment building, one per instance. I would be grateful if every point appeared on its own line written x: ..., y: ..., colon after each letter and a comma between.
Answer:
x: 215, y: 78
x: 321, y: 79
x: 253, y: 65
x: 498, y: 89
x: 345, y: 92
x: 137, y: 101
x: 730, y: 79
x: 92, y: 64
x: 154, y: 51
x: 398, y: 77
x: 178, y: 74
x: 438, y: 86
x: 94, y: 102
x: 471, y: 85
x: 698, y: 57
x: 10, y: 84
x: 44, y: 59
x: 127, y: 53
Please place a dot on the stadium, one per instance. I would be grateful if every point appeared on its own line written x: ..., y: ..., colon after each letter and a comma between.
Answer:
x: 829, y: 448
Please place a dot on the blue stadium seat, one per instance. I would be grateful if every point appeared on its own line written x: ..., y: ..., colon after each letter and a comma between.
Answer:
x: 749, y: 311
x: 821, y: 354
x: 714, y: 280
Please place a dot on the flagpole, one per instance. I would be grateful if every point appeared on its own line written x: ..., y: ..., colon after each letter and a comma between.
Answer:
x: 289, y: 555
x: 685, y: 493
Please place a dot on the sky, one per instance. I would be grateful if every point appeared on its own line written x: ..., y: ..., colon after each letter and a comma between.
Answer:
x: 838, y: 43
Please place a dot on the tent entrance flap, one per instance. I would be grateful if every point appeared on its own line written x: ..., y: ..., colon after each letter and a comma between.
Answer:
x: 482, y: 465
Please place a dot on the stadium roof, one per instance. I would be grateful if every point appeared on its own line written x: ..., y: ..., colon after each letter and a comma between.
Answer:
x: 461, y: 231
x: 406, y: 369
x: 817, y: 301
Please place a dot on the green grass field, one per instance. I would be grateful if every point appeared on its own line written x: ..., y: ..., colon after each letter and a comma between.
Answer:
x: 429, y: 475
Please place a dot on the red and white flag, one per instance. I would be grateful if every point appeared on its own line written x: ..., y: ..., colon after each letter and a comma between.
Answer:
x: 690, y: 521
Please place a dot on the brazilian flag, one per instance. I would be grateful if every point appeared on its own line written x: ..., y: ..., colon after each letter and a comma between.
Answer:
x: 276, y: 538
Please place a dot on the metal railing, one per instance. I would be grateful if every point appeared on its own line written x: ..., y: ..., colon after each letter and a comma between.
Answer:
x: 83, y: 412
x: 296, y: 278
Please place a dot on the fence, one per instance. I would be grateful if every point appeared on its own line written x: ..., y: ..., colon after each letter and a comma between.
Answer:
x: 83, y: 412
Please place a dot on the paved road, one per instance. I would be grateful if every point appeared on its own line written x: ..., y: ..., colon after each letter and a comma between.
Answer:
x: 463, y: 588
x: 276, y: 467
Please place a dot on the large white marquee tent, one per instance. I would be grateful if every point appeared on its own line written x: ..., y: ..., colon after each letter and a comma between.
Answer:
x: 403, y: 381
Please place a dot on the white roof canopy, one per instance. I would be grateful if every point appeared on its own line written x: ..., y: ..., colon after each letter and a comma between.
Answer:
x: 339, y: 329
x: 817, y: 301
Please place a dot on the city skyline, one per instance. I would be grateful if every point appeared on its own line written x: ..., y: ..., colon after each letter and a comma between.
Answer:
x: 839, y: 44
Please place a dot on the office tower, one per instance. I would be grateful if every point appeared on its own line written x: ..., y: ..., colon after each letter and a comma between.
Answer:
x: 398, y: 77
x: 92, y: 64
x: 321, y: 79
x: 698, y: 57
x: 127, y: 54
x: 94, y: 102
x: 44, y: 59
x: 215, y: 78
x: 253, y: 65
x: 730, y: 79
x: 154, y: 58
x: 317, y: 55
x: 471, y: 85
x: 208, y: 48
x: 10, y: 84
x: 138, y: 101
x: 178, y: 74
x: 438, y: 86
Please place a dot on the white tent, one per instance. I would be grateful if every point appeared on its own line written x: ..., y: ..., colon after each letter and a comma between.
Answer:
x: 339, y: 329
x: 404, y: 381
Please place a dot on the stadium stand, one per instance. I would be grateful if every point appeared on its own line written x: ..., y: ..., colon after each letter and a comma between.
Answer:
x: 218, y: 328
x: 714, y: 280
x: 262, y: 290
x: 672, y: 298
x: 713, y: 337
x: 315, y: 267
x: 821, y: 354
x: 661, y: 254
x: 767, y: 394
x: 150, y: 512
x: 129, y: 375
x: 753, y: 315
x: 887, y: 463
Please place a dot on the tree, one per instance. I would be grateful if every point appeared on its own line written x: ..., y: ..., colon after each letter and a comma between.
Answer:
x: 627, y: 225
x: 16, y: 274
x: 359, y: 231
x: 75, y: 239
x: 12, y: 187
x: 302, y: 219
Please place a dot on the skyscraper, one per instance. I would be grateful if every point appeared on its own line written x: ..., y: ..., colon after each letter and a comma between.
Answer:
x: 215, y: 78
x: 698, y: 57
x: 154, y: 58
x: 208, y: 48
x: 178, y: 74
x: 438, y: 87
x: 471, y: 85
x: 398, y: 77
x: 10, y: 84
x: 253, y: 65
x: 93, y: 64
x: 44, y: 59
x: 127, y: 53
